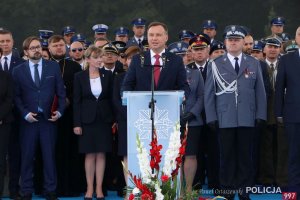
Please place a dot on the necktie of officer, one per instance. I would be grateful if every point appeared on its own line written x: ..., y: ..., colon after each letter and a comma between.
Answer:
x: 272, y: 77
x: 5, y: 64
x: 236, y: 66
x: 140, y: 43
x: 156, y: 69
x: 36, y: 75
x: 201, y: 69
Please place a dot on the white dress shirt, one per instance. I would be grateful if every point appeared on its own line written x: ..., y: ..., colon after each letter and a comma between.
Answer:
x: 8, y: 60
x: 232, y: 60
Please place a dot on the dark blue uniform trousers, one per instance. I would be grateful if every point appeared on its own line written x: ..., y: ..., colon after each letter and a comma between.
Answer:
x: 42, y: 132
x: 236, y: 164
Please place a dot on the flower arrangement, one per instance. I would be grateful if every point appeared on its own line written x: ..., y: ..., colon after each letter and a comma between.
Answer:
x: 154, y: 183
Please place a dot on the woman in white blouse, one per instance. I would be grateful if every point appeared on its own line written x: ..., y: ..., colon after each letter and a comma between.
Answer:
x: 93, y: 118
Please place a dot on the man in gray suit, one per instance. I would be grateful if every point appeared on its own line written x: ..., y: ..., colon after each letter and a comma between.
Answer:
x: 235, y: 101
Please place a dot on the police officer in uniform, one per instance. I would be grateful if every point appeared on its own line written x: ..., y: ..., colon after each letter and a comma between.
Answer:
x: 257, y: 50
x: 138, y: 29
x: 208, y: 159
x: 273, y: 166
x: 209, y: 27
x: 67, y: 33
x: 276, y: 26
x: 121, y: 34
x: 186, y: 36
x: 100, y: 30
x: 217, y: 49
x: 235, y: 101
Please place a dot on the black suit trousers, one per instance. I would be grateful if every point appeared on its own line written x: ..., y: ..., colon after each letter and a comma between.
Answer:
x: 293, y: 132
x: 4, y: 137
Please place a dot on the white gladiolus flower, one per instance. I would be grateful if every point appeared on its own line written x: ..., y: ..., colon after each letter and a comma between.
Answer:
x: 143, y: 161
x: 158, y: 194
x: 172, y: 152
x: 136, y: 191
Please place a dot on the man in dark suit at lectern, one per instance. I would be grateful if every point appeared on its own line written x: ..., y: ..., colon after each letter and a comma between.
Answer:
x: 169, y: 71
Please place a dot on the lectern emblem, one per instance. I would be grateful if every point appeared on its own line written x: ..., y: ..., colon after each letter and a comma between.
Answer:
x: 162, y: 124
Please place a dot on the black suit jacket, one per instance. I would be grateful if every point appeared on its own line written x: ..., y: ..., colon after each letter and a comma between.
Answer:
x: 119, y: 109
x: 287, y: 96
x: 15, y: 61
x: 6, y: 97
x: 85, y: 105
x: 68, y: 69
x: 172, y: 75
x: 265, y: 74
x: 118, y: 69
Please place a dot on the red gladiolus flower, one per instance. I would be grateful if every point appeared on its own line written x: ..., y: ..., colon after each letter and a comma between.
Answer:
x: 180, y: 155
x: 131, y: 197
x: 155, y: 153
x: 146, y: 197
x: 164, y: 178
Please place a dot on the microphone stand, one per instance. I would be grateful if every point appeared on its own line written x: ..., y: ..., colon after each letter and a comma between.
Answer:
x: 152, y: 108
x: 152, y: 101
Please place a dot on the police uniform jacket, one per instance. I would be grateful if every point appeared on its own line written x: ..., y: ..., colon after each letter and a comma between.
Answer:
x: 195, y: 101
x: 250, y: 103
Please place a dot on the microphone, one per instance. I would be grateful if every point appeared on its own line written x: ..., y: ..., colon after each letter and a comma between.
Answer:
x: 163, y: 57
x: 142, y: 58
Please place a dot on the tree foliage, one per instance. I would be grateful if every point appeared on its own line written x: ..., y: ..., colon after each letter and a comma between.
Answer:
x: 26, y: 17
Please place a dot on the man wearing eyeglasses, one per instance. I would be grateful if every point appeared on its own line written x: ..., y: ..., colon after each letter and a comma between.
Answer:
x: 76, y: 53
x: 68, y: 182
x: 36, y: 83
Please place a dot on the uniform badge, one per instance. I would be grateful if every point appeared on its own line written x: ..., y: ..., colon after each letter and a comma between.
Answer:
x: 179, y: 45
x: 246, y: 72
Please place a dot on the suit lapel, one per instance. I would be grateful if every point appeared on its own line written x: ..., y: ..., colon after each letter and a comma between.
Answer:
x: 103, y: 80
x: 226, y: 64
x: 87, y: 83
x: 28, y: 73
x: 12, y: 64
x: 147, y: 67
x: 45, y: 71
x: 194, y: 66
x: 297, y: 56
x: 164, y: 70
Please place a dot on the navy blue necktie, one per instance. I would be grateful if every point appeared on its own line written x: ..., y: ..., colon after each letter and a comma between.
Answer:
x: 236, y: 66
x: 36, y: 75
x: 5, y: 64
x: 140, y: 43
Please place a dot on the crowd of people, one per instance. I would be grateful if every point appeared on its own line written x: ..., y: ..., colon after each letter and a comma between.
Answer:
x: 63, y: 128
